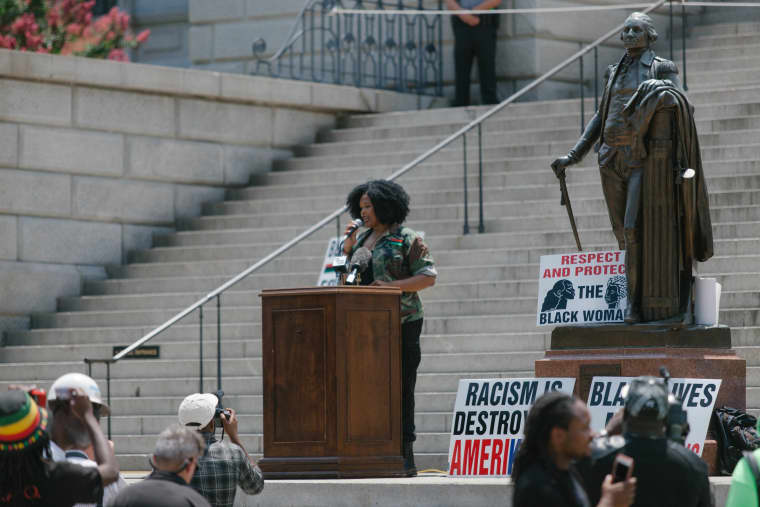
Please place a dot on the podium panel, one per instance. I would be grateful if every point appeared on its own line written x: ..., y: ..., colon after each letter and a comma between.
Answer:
x: 332, y: 382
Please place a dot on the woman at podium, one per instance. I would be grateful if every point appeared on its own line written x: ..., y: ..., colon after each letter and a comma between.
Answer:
x: 399, y: 258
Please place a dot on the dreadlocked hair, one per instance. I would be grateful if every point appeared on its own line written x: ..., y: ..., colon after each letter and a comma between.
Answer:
x: 389, y: 201
x: 550, y: 410
x: 23, y: 468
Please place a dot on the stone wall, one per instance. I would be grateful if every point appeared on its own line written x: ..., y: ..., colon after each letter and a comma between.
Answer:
x: 96, y: 156
x: 222, y: 32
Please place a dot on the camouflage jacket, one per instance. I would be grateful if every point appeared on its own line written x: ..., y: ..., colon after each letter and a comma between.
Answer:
x: 400, y: 253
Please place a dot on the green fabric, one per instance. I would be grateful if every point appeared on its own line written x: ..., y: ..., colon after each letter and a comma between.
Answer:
x: 401, y: 253
x: 743, y: 492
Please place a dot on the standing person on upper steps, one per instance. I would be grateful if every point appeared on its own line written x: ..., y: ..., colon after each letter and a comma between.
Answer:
x: 400, y: 258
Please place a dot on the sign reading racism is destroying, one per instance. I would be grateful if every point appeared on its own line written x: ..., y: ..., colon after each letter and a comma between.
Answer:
x: 582, y: 288
x: 489, y: 422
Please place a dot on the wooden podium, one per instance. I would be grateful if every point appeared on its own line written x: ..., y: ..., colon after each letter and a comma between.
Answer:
x: 332, y: 382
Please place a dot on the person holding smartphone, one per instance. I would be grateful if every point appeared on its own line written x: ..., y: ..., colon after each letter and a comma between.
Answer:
x: 557, y: 434
x: 667, y: 473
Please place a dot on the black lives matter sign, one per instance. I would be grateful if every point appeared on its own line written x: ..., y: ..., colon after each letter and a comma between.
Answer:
x: 489, y: 422
x: 582, y: 288
x: 697, y: 395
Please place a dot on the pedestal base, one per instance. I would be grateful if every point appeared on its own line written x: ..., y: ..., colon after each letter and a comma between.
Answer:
x: 629, y: 351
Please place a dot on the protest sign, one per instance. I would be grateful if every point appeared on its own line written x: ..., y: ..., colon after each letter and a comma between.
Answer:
x: 328, y: 276
x: 489, y: 422
x: 698, y: 395
x: 582, y: 288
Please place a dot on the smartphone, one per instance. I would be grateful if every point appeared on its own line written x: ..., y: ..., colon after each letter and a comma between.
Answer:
x: 622, y: 468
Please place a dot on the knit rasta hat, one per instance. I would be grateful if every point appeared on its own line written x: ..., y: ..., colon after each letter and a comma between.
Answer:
x: 22, y: 422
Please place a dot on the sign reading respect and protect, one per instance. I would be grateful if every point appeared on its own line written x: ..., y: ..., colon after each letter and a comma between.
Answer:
x: 489, y: 422
x: 582, y: 288
x: 698, y: 395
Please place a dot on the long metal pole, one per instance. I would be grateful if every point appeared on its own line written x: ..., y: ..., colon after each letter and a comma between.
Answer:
x: 596, y: 79
x: 219, y: 342
x: 481, y: 227
x: 671, y: 30
x: 684, y: 20
x: 466, y: 228
x: 582, y: 97
x: 200, y: 347
x: 108, y: 394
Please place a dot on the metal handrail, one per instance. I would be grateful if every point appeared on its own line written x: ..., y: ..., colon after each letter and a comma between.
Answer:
x: 216, y: 293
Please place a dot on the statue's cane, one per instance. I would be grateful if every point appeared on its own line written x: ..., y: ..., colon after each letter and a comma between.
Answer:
x: 566, y: 203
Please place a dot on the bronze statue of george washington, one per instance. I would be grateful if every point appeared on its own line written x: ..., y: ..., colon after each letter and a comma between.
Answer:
x: 652, y: 177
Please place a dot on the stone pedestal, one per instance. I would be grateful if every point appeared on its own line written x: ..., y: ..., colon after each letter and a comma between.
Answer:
x: 584, y: 352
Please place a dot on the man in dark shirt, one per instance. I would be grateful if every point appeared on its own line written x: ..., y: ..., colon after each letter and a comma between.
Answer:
x: 557, y: 433
x: 667, y: 473
x: 26, y: 478
x: 177, y: 452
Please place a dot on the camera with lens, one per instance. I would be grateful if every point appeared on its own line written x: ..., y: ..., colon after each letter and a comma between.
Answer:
x: 219, y: 410
x: 676, y: 423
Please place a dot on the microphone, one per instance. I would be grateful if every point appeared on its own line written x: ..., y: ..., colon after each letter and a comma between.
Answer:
x: 359, y: 263
x: 354, y: 225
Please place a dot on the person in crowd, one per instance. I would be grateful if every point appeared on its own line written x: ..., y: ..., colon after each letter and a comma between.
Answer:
x: 225, y: 465
x: 474, y: 37
x: 667, y: 473
x: 175, y: 458
x: 27, y: 477
x: 745, y: 481
x: 400, y: 258
x: 557, y: 433
x: 70, y: 440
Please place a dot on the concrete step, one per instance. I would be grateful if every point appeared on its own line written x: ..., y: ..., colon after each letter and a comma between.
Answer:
x: 492, y: 137
x: 442, y: 289
x: 530, y: 109
x: 516, y: 193
x: 725, y: 40
x: 425, y: 183
x: 549, y: 149
x: 438, y: 220
x: 497, y: 171
x: 435, y: 231
x: 126, y: 335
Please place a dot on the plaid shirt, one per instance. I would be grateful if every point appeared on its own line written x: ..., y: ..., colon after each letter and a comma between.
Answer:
x: 224, y: 467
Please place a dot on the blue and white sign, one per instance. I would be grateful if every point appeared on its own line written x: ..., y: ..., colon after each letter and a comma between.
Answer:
x: 698, y: 396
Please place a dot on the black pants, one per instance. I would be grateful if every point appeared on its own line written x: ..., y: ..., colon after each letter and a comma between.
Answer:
x: 472, y: 42
x: 410, y: 360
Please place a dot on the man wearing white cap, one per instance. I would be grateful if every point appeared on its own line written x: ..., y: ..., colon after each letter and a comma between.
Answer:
x: 225, y: 465
x: 69, y: 438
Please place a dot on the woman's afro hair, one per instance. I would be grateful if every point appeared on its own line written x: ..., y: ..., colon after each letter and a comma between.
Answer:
x: 389, y: 200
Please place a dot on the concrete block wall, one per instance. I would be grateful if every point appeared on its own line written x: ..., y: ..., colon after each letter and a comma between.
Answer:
x: 96, y: 157
x: 221, y: 34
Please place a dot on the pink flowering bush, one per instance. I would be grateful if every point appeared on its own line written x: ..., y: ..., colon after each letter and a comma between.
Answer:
x: 66, y: 27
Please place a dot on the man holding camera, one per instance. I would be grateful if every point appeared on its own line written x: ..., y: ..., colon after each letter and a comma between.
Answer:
x: 667, y: 473
x: 225, y: 465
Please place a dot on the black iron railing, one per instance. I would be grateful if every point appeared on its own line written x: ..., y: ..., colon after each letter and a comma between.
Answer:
x: 389, y: 52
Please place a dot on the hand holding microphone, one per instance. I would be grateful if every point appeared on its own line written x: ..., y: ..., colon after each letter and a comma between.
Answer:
x: 349, y: 238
